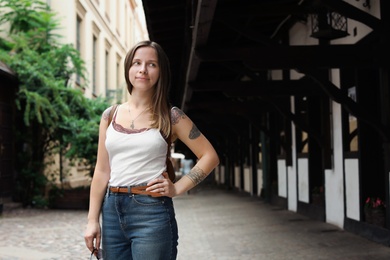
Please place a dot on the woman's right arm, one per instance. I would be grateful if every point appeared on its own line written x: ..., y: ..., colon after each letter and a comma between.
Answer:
x: 99, y: 183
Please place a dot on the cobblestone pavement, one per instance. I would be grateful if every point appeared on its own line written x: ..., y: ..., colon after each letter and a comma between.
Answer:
x: 213, y: 224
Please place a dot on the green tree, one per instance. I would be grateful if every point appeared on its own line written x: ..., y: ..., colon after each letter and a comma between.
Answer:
x: 53, y: 117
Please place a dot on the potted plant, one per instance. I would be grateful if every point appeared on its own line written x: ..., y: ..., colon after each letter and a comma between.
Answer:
x: 374, y: 211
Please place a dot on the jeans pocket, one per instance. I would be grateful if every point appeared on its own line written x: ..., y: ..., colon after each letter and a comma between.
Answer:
x: 148, y: 200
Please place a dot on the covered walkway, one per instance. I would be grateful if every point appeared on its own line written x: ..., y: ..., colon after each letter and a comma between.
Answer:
x: 218, y: 224
x: 213, y: 224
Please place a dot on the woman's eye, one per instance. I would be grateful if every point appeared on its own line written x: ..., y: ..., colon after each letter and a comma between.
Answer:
x: 136, y: 63
x: 152, y: 65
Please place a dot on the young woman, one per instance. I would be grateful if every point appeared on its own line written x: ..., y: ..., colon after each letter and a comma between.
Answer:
x: 139, y: 223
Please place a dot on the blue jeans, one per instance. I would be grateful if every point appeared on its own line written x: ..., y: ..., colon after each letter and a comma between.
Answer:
x: 138, y: 227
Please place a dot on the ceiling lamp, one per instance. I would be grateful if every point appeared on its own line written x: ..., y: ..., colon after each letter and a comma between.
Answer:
x: 328, y: 25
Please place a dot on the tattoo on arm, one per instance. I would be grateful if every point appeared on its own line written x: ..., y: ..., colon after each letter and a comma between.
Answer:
x: 106, y: 114
x: 196, y: 175
x: 194, y: 133
x: 176, y: 115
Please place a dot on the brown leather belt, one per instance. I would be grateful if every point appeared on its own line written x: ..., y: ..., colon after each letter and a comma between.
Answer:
x: 135, y: 190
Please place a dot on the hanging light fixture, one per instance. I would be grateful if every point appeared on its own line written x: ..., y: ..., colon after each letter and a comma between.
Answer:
x: 329, y: 25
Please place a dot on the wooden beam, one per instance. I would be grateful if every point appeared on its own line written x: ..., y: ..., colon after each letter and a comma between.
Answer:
x: 262, y: 9
x: 295, y: 57
x: 253, y: 110
x: 204, y: 17
x: 251, y: 88
x: 348, y: 104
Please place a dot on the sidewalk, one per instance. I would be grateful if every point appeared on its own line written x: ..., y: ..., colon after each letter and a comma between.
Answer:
x: 213, y: 224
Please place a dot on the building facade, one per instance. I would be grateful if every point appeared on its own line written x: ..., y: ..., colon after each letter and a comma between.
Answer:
x: 102, y: 31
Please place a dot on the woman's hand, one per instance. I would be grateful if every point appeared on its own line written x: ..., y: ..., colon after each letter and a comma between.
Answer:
x: 164, y: 186
x: 92, y: 234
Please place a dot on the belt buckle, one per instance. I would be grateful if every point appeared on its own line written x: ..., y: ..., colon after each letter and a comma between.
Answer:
x: 117, y: 189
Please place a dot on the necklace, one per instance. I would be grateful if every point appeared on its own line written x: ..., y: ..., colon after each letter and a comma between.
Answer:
x: 132, y: 121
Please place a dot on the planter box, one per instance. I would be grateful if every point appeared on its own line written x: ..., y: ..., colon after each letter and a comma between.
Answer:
x: 375, y: 216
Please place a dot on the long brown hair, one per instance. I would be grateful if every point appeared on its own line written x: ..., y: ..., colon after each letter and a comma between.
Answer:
x: 160, y: 106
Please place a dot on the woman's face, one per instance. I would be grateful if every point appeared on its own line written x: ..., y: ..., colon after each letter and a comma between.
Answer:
x: 144, y: 71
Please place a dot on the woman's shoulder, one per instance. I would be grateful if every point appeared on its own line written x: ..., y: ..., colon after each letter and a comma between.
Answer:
x: 108, y: 109
x: 177, y: 114
x: 176, y: 110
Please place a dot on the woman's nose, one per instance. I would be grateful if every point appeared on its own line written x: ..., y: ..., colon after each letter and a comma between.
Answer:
x: 143, y: 69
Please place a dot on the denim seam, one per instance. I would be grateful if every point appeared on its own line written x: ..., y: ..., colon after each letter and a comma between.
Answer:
x: 171, y: 217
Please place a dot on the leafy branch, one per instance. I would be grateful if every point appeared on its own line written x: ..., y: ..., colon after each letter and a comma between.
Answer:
x: 52, y: 115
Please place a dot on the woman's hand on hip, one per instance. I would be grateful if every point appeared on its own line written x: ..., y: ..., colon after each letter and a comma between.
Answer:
x: 164, y: 187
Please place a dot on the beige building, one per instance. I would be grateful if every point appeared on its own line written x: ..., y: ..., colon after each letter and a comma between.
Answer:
x: 103, y: 31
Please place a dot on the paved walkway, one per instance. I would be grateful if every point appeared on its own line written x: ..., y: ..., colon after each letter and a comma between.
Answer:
x: 213, y: 224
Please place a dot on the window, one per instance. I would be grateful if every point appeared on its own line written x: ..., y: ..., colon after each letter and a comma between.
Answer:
x: 106, y: 69
x: 80, y: 38
x: 353, y: 126
x: 118, y: 78
x: 78, y: 44
x: 94, y: 73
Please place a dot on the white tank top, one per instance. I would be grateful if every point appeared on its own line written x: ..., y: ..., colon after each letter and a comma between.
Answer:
x: 135, y: 158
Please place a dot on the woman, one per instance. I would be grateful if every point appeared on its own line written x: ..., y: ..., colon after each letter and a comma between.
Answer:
x: 132, y: 152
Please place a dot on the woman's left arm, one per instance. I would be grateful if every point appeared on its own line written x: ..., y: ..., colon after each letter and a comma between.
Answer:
x: 186, y: 131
